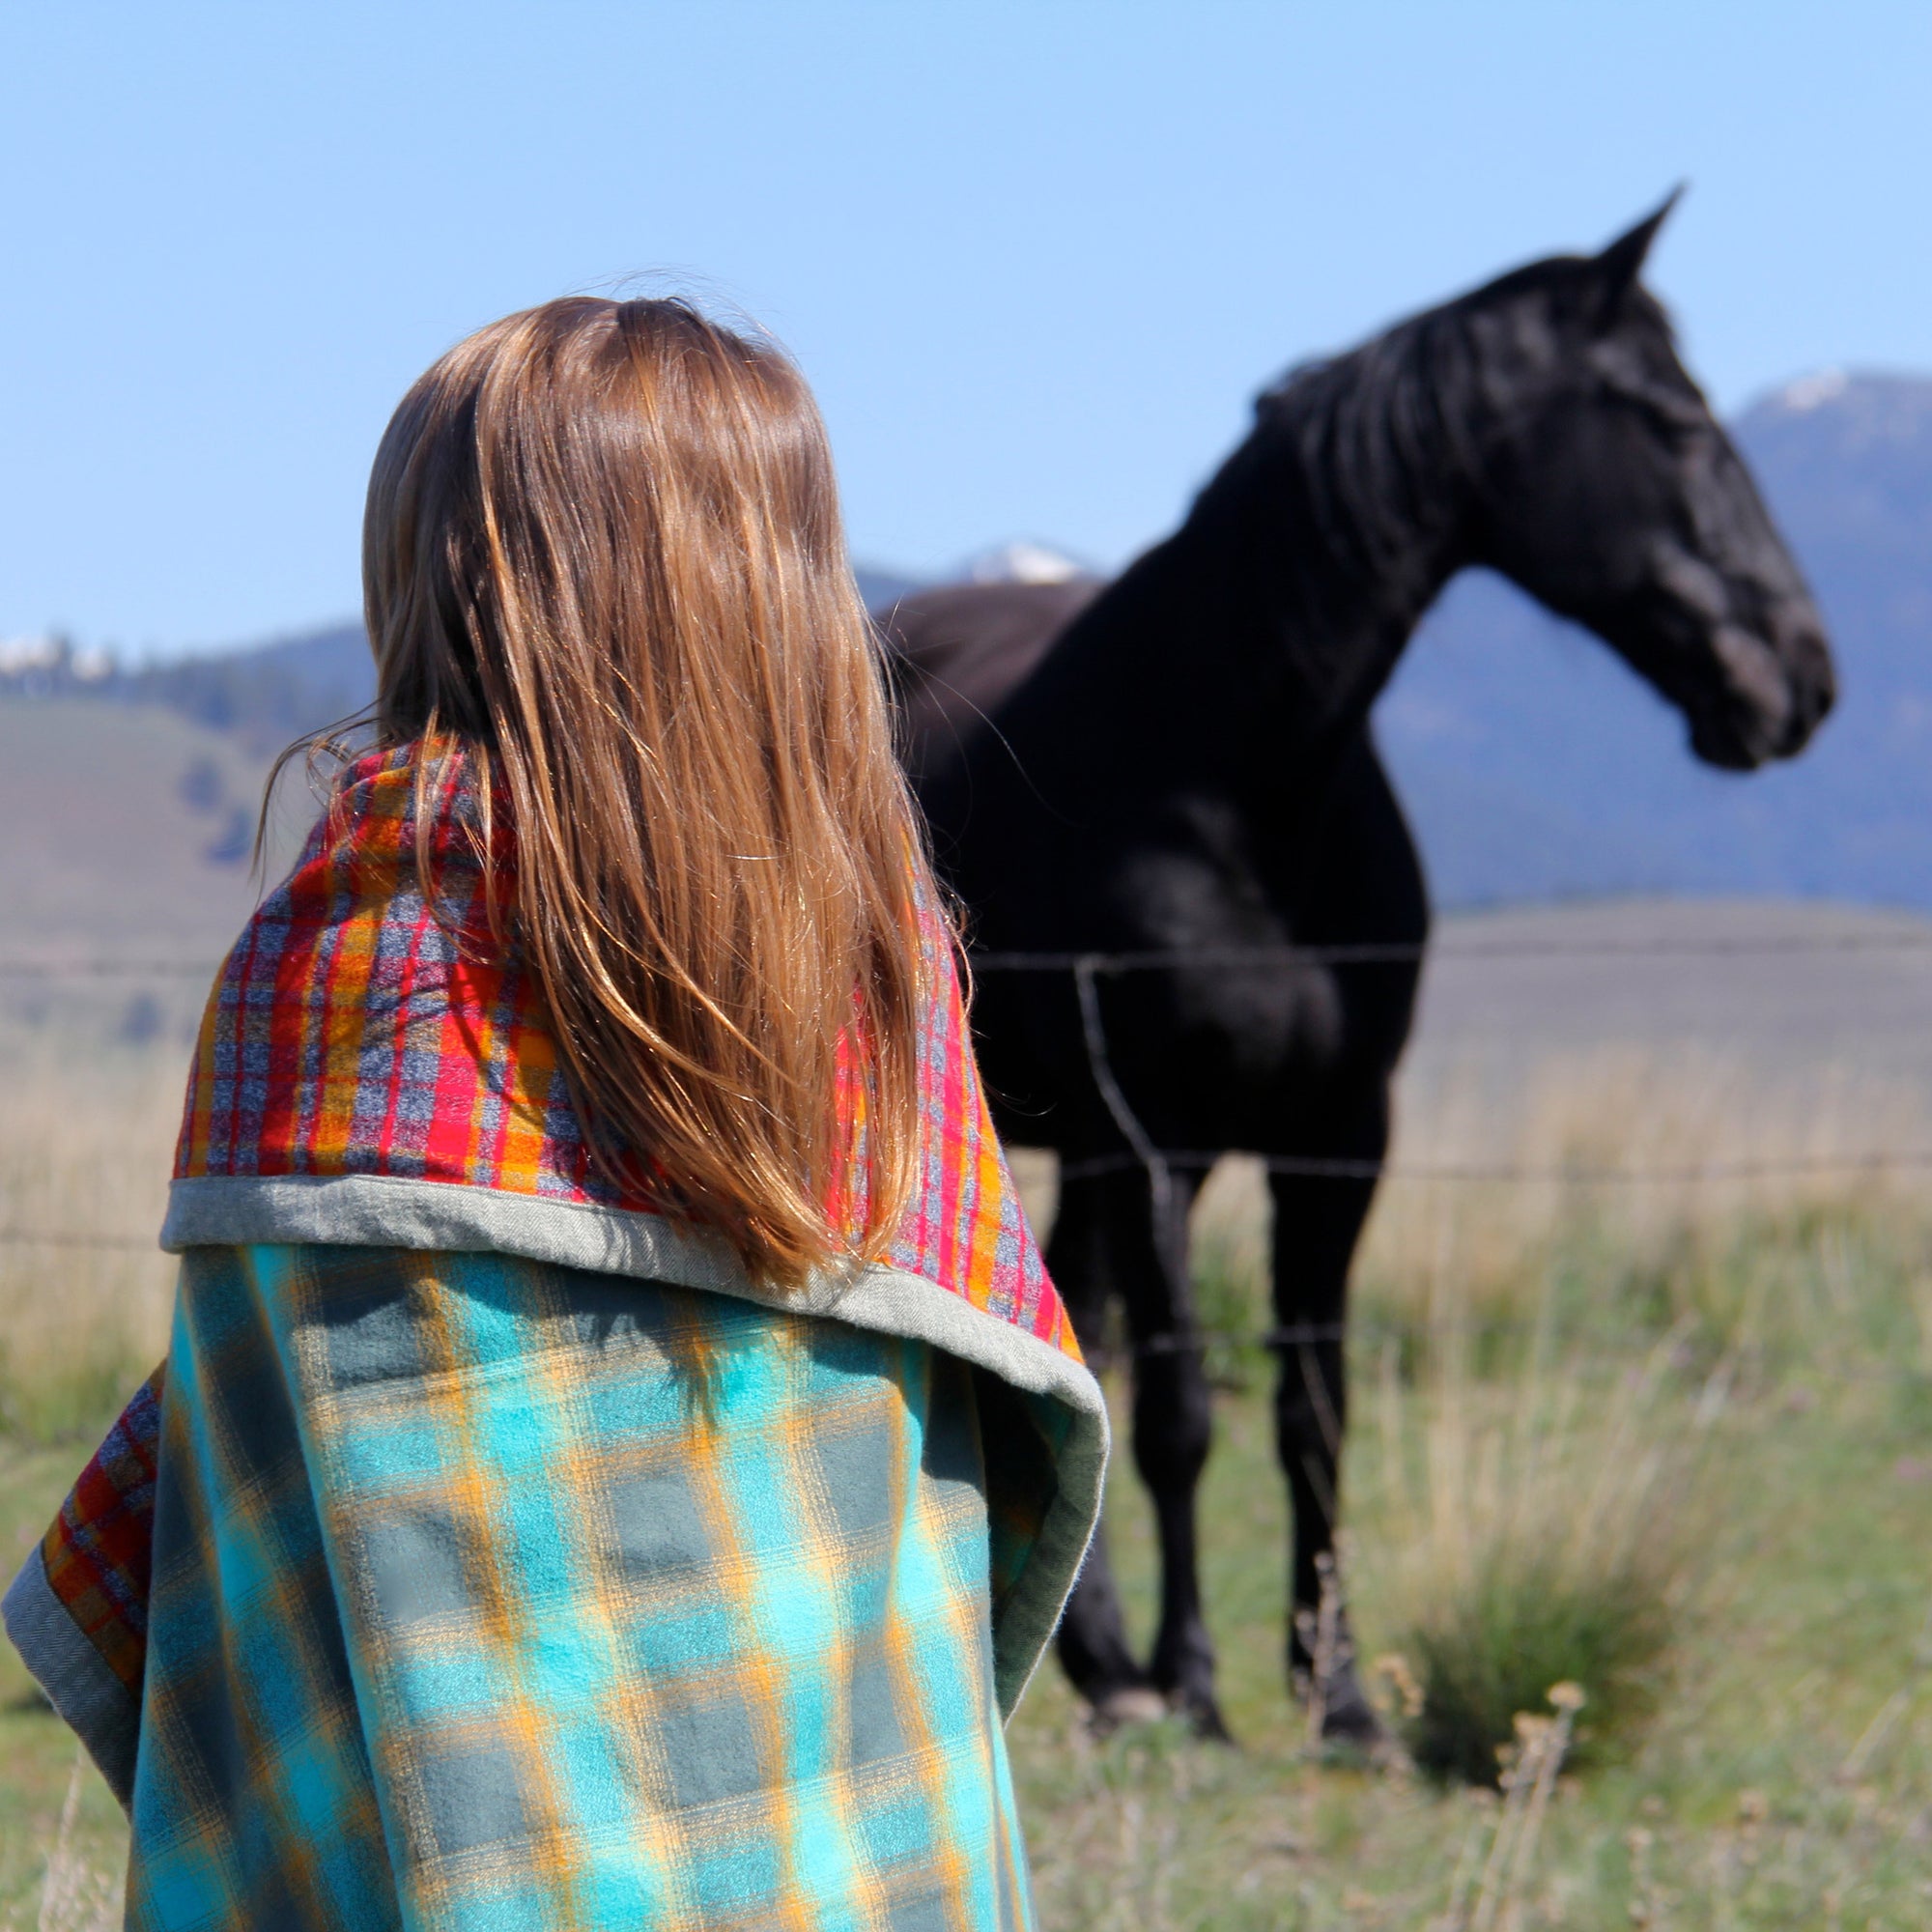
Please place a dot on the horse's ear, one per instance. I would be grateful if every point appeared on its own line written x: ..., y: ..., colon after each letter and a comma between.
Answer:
x: 1616, y: 269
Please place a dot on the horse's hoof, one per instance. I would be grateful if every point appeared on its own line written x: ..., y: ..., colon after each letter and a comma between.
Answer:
x: 1348, y: 1717
x: 1202, y: 1715
x: 1134, y: 1704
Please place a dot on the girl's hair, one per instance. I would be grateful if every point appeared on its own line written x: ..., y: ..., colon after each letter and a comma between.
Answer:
x: 603, y: 563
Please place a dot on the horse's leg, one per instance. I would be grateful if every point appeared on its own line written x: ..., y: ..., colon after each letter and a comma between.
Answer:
x: 1092, y: 1636
x: 1172, y: 1429
x: 1317, y: 1220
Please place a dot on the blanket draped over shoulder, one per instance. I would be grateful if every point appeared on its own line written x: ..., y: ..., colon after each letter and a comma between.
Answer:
x: 412, y: 1312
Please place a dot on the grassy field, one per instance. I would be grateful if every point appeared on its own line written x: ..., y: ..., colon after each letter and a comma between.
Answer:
x: 1754, y: 1407
x: 1673, y: 1442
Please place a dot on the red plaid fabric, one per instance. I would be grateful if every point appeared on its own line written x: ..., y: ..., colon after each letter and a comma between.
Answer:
x: 360, y: 1035
x: 358, y: 1030
x: 98, y: 1553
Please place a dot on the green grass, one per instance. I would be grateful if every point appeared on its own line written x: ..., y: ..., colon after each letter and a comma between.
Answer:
x: 1684, y: 1458
x: 1766, y: 1759
x: 1524, y: 1628
x: 37, y: 1750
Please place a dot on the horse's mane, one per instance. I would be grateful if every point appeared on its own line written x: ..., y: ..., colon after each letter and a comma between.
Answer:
x: 1375, y: 430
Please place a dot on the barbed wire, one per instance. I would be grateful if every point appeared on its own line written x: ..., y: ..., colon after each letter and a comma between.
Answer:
x: 1767, y: 1168
x: 1689, y: 1173
x: 1381, y: 1330
x: 1161, y: 1163
x: 1377, y: 953
x: 56, y: 1237
x: 1365, y: 1328
x: 1371, y: 953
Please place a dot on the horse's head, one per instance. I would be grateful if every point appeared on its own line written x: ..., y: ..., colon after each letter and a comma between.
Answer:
x: 1609, y: 492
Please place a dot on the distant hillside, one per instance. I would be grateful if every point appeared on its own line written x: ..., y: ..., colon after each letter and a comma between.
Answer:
x: 263, y: 695
x: 125, y: 835
x: 1535, y: 766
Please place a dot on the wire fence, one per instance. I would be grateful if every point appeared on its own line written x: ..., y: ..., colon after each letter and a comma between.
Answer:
x: 1366, y: 1329
x: 1160, y: 1165
x: 1551, y: 1173
x: 1373, y: 953
x: 1380, y: 1332
x: 1370, y: 1328
x: 1377, y: 953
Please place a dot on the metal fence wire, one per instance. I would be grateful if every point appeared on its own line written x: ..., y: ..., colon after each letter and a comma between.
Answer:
x: 1161, y: 1164
x: 1371, y: 953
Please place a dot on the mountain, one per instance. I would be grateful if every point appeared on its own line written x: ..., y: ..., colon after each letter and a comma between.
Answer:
x: 270, y: 695
x: 260, y: 696
x: 264, y: 696
x: 1535, y: 766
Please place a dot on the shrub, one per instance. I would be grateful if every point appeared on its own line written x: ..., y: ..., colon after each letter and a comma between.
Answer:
x: 1493, y: 1652
x: 1546, y: 1535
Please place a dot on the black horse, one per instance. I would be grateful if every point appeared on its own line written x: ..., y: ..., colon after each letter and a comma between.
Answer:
x: 1181, y: 762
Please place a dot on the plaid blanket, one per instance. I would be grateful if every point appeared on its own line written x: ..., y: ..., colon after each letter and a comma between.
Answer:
x: 369, y: 1080
x: 360, y: 1035
x: 494, y: 1594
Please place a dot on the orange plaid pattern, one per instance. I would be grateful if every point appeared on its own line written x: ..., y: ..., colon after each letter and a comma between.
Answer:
x: 357, y: 1028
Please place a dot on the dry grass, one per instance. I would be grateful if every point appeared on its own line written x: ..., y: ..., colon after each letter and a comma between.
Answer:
x: 85, y: 1151
x: 1581, y: 1118
x: 75, y: 1894
x: 1700, y: 1413
x: 1660, y: 1440
x: 1538, y: 1532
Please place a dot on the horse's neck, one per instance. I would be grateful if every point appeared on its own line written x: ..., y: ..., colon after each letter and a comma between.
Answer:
x: 1252, y: 642
x: 1324, y: 574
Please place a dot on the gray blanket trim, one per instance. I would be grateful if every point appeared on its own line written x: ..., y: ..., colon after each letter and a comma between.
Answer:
x: 97, y: 1706
x: 370, y: 1210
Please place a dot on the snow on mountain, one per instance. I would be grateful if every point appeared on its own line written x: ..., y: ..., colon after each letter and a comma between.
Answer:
x: 1533, y: 764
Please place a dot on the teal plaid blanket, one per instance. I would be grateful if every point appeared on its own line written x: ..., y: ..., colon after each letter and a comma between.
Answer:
x: 494, y: 1594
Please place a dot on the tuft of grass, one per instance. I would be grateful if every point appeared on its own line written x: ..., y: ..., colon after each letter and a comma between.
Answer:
x: 1544, y: 1534
x: 1479, y: 1660
x: 1544, y: 1545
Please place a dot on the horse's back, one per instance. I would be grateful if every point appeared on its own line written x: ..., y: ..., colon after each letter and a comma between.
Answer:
x: 957, y: 652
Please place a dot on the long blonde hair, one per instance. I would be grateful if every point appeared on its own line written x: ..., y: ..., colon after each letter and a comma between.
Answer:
x: 602, y: 558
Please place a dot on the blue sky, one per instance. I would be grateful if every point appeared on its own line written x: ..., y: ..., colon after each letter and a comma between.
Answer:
x: 1034, y: 258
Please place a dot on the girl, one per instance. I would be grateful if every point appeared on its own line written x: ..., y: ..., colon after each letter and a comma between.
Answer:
x: 619, y: 1455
